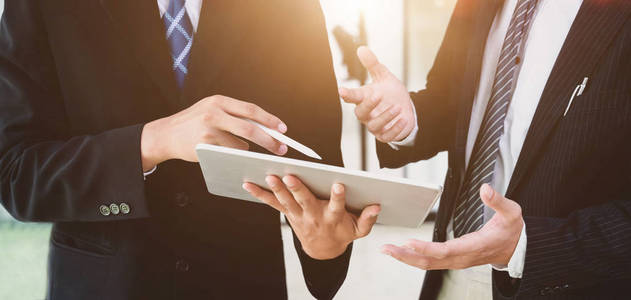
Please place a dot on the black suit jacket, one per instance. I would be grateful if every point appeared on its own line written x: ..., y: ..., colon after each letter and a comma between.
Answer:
x: 79, y: 78
x: 573, y: 176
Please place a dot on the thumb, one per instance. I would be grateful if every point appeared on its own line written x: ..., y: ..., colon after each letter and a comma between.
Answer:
x: 495, y: 200
x: 371, y: 63
x: 367, y: 219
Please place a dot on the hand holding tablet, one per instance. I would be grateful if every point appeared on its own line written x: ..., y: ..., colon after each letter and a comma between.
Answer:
x: 403, y: 202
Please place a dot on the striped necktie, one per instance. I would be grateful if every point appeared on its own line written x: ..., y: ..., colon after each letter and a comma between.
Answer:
x: 179, y: 33
x: 469, y: 211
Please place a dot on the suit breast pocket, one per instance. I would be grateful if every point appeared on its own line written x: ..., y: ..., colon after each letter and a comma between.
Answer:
x: 593, y: 131
x: 601, y: 100
x: 597, y: 115
x: 594, y: 125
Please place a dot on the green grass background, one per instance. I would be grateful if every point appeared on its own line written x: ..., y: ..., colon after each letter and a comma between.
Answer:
x: 23, y: 254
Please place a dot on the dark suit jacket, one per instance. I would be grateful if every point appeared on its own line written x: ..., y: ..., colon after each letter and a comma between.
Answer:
x: 573, y: 177
x: 79, y: 78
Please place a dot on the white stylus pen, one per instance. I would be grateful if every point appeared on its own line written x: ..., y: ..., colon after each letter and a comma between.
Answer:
x: 287, y: 141
x: 577, y: 92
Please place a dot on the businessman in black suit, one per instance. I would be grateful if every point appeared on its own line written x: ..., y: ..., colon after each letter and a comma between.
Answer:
x: 531, y: 100
x: 95, y: 93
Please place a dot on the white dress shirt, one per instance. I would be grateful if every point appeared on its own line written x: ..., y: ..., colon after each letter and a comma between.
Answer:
x: 193, y: 8
x: 550, y: 26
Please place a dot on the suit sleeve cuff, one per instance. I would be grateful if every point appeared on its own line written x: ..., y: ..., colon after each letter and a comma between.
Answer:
x: 515, y: 266
x: 145, y: 174
x: 410, y: 139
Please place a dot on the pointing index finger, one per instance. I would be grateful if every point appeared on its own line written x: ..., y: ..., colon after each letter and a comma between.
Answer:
x: 254, y: 112
x: 371, y: 63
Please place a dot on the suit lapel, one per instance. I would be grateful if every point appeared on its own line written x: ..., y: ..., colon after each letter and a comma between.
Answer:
x: 223, y: 24
x: 593, y: 30
x: 139, y: 24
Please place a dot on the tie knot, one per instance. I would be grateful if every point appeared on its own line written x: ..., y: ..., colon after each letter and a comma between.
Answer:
x: 175, y: 6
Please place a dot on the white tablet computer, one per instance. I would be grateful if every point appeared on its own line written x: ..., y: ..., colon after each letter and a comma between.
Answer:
x: 403, y: 202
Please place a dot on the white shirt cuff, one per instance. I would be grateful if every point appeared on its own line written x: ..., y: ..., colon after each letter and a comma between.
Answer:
x: 411, y: 138
x: 515, y: 266
x: 145, y: 174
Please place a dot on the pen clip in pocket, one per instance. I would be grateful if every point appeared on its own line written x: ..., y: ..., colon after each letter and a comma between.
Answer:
x: 577, y: 92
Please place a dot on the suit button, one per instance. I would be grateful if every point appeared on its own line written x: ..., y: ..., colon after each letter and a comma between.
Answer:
x: 547, y: 290
x: 182, y: 199
x: 104, y: 210
x: 450, y: 173
x: 114, y: 208
x: 125, y: 209
x: 181, y: 266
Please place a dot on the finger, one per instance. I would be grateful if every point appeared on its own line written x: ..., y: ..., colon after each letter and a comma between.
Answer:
x: 378, y: 124
x: 253, y: 112
x: 337, y: 204
x: 407, y: 256
x: 381, y: 108
x: 284, y: 196
x: 363, y: 110
x: 393, y: 132
x: 371, y: 63
x: 231, y: 141
x: 367, y: 220
x: 264, y: 196
x: 356, y: 95
x: 299, y: 191
x: 249, y: 131
x: 433, y: 249
x: 452, y: 253
x: 496, y: 201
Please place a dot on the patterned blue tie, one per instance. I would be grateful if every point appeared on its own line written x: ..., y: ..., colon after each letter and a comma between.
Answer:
x: 179, y: 32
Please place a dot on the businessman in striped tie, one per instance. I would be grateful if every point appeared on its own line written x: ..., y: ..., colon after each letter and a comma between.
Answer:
x: 531, y: 100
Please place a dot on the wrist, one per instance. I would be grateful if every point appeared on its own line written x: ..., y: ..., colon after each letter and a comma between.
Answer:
x: 512, y: 247
x: 151, y: 149
x: 325, y: 253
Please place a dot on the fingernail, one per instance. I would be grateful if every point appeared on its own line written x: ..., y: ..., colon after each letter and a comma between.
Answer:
x: 338, y: 188
x: 287, y: 181
x: 385, y: 251
x: 341, y: 91
x: 487, y: 191
x: 245, y: 187
x: 376, y: 211
x: 282, y: 127
x: 282, y: 150
x: 269, y: 180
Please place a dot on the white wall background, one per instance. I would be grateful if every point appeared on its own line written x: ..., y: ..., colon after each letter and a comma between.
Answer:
x: 373, y: 275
